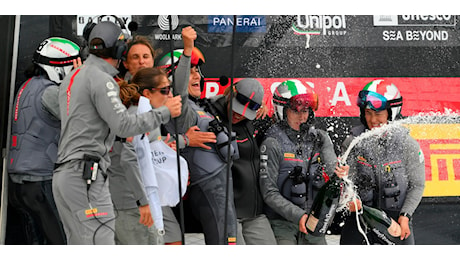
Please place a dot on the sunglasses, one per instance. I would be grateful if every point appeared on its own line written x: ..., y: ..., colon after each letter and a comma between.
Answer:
x: 301, y: 102
x: 164, y: 91
x: 247, y: 102
x: 375, y: 101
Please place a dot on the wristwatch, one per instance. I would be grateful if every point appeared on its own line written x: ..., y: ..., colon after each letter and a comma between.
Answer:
x: 405, y: 214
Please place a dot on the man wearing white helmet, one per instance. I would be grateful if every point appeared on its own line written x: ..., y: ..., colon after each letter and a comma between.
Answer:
x: 92, y: 114
x: 388, y: 167
x: 295, y: 162
x: 35, y: 135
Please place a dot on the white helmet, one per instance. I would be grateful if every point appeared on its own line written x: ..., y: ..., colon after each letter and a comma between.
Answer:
x: 293, y: 94
x: 55, y: 56
x: 380, y: 95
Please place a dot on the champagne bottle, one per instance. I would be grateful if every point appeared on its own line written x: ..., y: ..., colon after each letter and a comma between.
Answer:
x: 378, y: 219
x: 324, y: 207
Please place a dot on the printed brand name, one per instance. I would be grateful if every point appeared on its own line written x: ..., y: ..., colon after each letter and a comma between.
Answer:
x: 328, y: 219
x: 321, y: 22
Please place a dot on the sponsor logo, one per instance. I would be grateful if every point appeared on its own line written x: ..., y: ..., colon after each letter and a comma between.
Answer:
x: 440, y: 147
x: 244, y: 23
x: 163, y: 24
x: 382, y: 236
x: 415, y: 35
x: 327, y: 25
x: 82, y: 20
x: 414, y: 20
x: 328, y: 219
x: 289, y: 155
x: 423, y: 21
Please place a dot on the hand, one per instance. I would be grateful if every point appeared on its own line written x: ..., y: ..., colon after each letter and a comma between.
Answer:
x: 77, y: 62
x: 352, y: 207
x: 302, y: 222
x: 174, y: 105
x: 405, y: 230
x: 341, y: 171
x: 146, y: 216
x: 198, y: 139
x: 262, y: 112
x: 171, y: 144
x: 188, y: 37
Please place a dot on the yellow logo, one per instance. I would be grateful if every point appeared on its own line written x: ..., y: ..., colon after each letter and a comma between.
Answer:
x: 289, y: 155
x: 91, y: 211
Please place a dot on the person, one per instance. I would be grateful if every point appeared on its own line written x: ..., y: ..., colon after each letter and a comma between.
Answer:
x: 134, y: 223
x: 128, y: 193
x: 35, y: 135
x: 92, y: 114
x: 247, y: 105
x: 140, y: 54
x: 294, y: 158
x: 387, y: 168
x: 208, y: 193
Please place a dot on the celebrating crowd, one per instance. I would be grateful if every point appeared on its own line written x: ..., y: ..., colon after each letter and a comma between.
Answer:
x: 77, y: 173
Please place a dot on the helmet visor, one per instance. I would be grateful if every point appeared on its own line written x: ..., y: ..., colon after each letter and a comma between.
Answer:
x: 301, y: 102
x: 372, y: 99
x: 245, y: 101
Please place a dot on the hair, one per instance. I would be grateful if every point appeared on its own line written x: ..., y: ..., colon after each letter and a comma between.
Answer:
x: 227, y: 91
x: 129, y: 93
x: 139, y: 39
x: 147, y: 78
x: 101, y: 53
x: 34, y: 69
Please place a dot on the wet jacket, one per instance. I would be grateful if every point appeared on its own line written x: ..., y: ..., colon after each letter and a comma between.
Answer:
x: 282, y: 150
x: 388, y: 170
x: 203, y: 163
x: 92, y: 113
x: 245, y: 170
x: 34, y: 134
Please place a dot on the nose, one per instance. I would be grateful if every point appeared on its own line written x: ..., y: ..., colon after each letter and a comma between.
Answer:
x: 195, y: 74
x: 304, y: 116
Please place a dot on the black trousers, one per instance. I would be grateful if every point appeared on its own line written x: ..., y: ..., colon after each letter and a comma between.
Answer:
x: 40, y: 217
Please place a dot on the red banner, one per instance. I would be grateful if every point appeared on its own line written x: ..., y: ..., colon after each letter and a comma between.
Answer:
x: 337, y: 96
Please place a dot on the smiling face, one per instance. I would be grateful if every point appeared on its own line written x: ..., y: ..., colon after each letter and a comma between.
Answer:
x: 194, y: 82
x: 139, y: 56
x: 375, y: 119
x: 295, y: 119
x: 236, y: 118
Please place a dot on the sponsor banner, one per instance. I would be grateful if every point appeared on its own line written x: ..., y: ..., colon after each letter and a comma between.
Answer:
x: 374, y: 31
x: 337, y: 96
x: 301, y: 30
x: 440, y: 144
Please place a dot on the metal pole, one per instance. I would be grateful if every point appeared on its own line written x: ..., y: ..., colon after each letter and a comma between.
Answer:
x: 4, y: 195
x: 181, y: 207
x: 229, y: 116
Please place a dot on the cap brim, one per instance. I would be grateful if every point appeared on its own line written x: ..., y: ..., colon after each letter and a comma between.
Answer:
x: 243, y: 110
